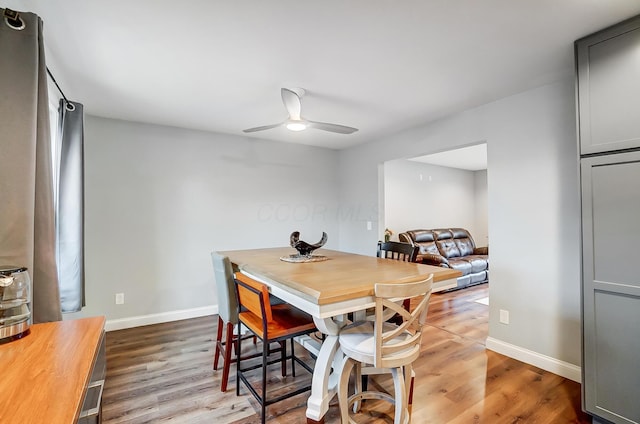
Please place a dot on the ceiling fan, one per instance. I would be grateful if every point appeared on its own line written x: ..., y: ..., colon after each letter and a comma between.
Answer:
x: 291, y: 100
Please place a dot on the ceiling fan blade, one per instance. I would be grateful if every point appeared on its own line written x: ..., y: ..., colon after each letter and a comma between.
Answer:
x: 340, y: 129
x: 291, y: 100
x: 291, y: 103
x: 262, y: 128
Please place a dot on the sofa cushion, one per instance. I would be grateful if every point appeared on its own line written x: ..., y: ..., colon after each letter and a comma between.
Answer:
x: 460, y: 265
x: 424, y: 239
x: 442, y: 233
x: 423, y: 236
x: 463, y: 281
x: 459, y: 233
x: 478, y: 277
x: 445, y: 243
x: 465, y: 246
x: 463, y: 240
x: 430, y: 248
x: 448, y: 248
x: 478, y: 262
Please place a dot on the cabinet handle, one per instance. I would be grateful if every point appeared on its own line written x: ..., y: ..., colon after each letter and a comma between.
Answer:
x: 96, y: 409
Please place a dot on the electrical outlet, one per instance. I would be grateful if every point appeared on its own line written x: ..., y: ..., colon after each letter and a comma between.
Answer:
x: 369, y: 226
x: 119, y: 298
x: 504, y: 316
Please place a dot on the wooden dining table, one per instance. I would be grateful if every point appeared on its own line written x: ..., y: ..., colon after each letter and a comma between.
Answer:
x: 327, y: 290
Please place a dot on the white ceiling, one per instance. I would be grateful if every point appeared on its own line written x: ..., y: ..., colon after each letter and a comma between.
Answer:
x: 472, y: 158
x: 378, y: 65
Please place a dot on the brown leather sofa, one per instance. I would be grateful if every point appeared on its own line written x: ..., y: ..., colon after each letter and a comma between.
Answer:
x: 451, y: 248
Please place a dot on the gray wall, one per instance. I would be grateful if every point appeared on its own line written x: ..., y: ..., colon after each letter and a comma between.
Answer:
x: 533, y: 208
x: 160, y: 199
x: 419, y: 195
x: 481, y: 227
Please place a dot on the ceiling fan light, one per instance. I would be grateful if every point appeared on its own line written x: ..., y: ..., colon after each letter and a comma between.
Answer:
x: 296, y: 126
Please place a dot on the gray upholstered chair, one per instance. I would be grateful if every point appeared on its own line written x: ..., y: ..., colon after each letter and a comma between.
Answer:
x: 227, y: 314
x: 228, y: 319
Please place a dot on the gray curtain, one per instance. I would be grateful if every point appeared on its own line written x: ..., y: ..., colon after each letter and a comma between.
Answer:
x: 70, y: 206
x: 27, y: 230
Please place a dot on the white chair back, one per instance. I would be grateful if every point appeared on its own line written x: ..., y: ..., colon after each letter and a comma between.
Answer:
x: 400, y: 344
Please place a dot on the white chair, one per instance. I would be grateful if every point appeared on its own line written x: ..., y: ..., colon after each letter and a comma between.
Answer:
x: 385, y: 345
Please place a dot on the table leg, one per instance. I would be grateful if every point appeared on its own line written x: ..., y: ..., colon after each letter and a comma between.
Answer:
x: 325, y: 382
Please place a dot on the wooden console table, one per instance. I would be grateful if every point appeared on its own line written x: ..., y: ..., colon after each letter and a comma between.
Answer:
x: 44, y: 375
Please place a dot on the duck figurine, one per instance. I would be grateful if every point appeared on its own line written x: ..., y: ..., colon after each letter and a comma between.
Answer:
x: 304, y: 248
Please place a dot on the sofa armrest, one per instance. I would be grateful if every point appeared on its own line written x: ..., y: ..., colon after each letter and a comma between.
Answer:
x: 432, y: 259
x: 481, y: 250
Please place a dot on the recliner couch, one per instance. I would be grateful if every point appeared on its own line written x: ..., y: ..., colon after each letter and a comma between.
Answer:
x: 451, y: 248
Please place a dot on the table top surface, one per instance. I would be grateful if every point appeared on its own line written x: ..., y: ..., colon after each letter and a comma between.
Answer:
x: 45, y: 373
x: 344, y: 276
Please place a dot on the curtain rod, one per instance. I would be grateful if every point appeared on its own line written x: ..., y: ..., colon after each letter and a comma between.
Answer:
x: 67, y: 104
x: 56, y: 83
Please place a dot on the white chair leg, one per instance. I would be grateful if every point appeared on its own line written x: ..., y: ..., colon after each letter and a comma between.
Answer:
x: 343, y: 389
x: 400, y: 396
x: 358, y: 385
x: 408, y: 382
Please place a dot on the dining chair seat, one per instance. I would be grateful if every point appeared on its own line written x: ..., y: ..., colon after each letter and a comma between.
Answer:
x: 357, y: 340
x: 285, y: 319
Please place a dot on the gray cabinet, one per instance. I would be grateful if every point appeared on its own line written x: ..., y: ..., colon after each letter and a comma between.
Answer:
x: 611, y: 286
x: 609, y: 88
x: 608, y: 99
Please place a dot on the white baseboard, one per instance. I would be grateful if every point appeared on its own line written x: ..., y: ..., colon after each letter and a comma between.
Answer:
x: 138, y: 321
x: 547, y: 363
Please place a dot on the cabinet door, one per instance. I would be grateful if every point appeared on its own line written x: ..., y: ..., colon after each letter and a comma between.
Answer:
x: 609, y: 88
x: 611, y: 286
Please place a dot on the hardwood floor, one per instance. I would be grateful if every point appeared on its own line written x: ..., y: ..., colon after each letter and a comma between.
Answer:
x: 163, y: 373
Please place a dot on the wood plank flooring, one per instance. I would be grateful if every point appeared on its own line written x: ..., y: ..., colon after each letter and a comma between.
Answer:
x: 163, y: 373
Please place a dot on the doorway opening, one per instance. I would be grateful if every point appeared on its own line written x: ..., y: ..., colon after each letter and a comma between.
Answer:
x: 440, y: 190
x: 443, y: 190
